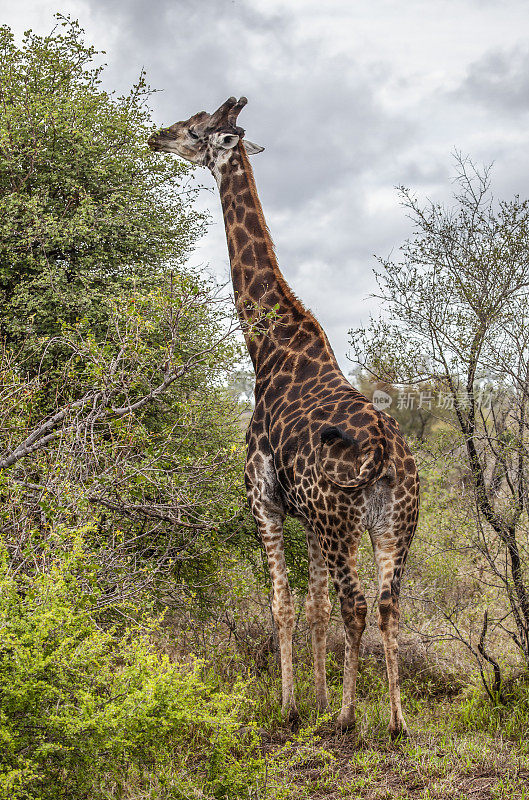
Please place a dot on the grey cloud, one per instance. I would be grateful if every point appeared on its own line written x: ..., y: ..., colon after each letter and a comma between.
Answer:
x: 499, y: 80
x: 325, y: 133
x: 315, y: 112
x: 424, y: 169
x: 195, y: 52
x: 334, y: 150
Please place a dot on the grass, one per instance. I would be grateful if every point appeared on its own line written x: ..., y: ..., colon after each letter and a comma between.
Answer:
x: 437, y: 761
x: 459, y: 748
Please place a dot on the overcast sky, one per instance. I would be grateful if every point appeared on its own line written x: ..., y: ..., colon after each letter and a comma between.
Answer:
x: 349, y: 99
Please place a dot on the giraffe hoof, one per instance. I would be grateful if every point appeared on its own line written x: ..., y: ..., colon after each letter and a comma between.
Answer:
x: 398, y: 732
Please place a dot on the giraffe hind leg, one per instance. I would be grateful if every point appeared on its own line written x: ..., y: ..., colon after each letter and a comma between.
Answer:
x: 318, y: 611
x: 390, y: 545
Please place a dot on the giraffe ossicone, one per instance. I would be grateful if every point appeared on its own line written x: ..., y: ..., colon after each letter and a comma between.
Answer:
x: 317, y: 449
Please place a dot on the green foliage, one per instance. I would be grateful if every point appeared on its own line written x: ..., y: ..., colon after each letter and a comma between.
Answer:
x: 95, y: 303
x: 116, y: 509
x: 155, y: 484
x: 84, y: 203
x: 85, y: 709
x: 510, y: 717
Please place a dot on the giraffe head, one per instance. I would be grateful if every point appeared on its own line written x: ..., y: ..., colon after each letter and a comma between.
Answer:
x: 206, y: 139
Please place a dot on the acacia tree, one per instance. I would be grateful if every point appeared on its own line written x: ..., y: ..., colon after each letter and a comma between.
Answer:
x: 114, y: 416
x: 458, y: 318
x: 147, y: 444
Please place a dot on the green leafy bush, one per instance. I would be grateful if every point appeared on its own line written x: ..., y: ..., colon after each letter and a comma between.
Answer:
x: 84, y: 203
x: 86, y: 711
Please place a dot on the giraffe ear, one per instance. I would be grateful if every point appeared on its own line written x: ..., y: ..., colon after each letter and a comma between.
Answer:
x: 226, y: 141
x: 252, y: 148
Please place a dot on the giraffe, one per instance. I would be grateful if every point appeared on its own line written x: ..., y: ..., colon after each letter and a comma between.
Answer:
x: 317, y: 449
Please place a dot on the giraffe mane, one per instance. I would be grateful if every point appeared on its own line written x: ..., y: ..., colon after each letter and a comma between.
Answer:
x: 270, y: 247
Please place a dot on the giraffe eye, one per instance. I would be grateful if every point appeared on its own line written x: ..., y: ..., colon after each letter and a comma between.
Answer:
x: 193, y: 134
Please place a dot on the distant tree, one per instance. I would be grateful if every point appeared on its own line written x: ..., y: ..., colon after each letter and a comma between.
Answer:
x: 458, y: 318
x: 414, y: 408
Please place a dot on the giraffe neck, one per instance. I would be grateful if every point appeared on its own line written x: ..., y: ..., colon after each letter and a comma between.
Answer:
x: 271, y: 315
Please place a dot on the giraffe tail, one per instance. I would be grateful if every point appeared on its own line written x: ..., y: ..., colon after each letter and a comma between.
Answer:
x: 348, y: 455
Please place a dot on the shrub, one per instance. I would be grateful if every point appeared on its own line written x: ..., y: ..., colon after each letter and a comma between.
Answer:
x: 86, y: 710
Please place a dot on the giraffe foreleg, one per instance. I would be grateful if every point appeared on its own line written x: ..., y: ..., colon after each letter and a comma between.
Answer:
x: 269, y: 521
x: 284, y: 614
x: 268, y: 512
x: 318, y: 611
